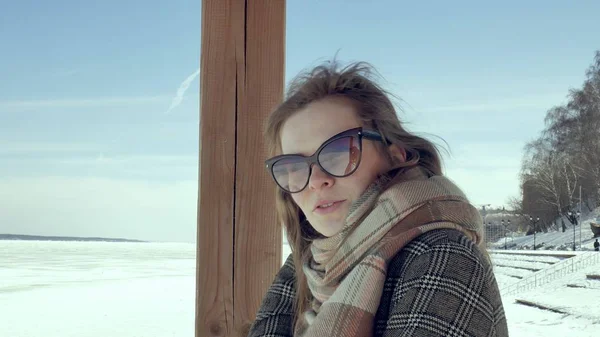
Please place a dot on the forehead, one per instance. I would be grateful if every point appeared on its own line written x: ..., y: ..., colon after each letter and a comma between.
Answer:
x: 309, y: 127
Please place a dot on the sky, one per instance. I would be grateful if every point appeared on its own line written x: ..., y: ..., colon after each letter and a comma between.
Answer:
x: 99, y: 102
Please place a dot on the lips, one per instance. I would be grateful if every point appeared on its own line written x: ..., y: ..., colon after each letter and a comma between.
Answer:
x: 326, y: 204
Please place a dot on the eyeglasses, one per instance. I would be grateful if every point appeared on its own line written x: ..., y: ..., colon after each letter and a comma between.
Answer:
x: 339, y: 156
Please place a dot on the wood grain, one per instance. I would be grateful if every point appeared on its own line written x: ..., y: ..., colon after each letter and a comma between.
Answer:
x: 239, y: 241
x: 214, y: 291
x: 257, y: 235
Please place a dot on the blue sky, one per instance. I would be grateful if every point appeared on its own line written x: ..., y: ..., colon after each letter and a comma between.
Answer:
x: 89, y: 143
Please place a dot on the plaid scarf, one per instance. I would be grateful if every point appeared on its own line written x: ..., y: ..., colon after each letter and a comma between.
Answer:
x: 347, y: 272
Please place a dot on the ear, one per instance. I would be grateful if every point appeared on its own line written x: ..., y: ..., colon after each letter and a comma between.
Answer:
x: 397, y: 152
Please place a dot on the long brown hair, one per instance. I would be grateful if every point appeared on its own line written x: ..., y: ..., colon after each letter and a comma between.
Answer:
x: 355, y: 83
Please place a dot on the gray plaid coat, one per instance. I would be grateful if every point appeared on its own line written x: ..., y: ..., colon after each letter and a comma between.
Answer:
x: 440, y: 284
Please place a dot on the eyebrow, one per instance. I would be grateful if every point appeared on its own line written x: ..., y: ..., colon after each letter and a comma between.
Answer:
x: 307, y: 154
x: 301, y: 153
x: 365, y: 133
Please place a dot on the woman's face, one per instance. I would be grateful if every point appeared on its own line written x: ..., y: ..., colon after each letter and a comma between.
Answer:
x: 303, y: 133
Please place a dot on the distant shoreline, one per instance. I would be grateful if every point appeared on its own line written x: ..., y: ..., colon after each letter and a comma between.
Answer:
x: 21, y: 237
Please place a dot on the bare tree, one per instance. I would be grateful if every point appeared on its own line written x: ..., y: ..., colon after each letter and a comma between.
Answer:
x: 541, y: 171
x: 573, y: 130
x: 566, y: 156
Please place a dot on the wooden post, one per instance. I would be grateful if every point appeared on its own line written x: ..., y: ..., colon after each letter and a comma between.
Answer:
x: 239, y: 240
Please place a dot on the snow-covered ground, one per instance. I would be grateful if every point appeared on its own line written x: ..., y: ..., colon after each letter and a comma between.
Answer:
x: 571, y: 302
x: 88, y: 289
x: 524, y: 321
x: 511, y: 266
x: 93, y: 289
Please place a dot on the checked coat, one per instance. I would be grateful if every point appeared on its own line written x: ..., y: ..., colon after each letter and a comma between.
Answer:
x: 440, y: 284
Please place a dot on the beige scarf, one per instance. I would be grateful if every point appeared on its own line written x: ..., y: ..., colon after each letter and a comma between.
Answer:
x: 347, y: 272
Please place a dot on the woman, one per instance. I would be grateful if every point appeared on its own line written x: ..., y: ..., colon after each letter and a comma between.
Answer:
x: 382, y: 243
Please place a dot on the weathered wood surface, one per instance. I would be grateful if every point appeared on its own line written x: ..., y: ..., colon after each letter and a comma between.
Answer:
x: 239, y: 241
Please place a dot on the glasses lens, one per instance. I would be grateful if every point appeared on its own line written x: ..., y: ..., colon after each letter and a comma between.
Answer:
x: 291, y: 173
x: 341, y: 157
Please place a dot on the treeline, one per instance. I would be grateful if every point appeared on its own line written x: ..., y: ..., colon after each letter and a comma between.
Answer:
x: 560, y: 170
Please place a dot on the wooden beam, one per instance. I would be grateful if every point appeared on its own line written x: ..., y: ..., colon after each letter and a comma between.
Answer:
x: 239, y: 240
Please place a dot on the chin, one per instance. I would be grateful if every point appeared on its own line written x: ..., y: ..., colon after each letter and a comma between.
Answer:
x: 332, y: 229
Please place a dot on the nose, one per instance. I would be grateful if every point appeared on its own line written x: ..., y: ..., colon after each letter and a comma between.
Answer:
x: 319, y: 179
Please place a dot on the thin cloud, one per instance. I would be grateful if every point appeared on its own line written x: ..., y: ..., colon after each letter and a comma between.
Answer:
x: 28, y: 148
x: 185, y: 85
x: 78, y: 103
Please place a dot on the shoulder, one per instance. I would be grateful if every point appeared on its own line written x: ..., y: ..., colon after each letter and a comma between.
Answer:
x: 443, y: 258
x: 445, y: 246
x: 441, y: 280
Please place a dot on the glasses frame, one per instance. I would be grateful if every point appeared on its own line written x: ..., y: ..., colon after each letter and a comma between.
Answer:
x: 359, y: 132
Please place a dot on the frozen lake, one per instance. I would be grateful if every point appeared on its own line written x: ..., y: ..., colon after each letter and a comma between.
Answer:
x: 93, y: 289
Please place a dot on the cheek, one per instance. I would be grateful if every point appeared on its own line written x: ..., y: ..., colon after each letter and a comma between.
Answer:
x: 372, y: 164
x: 298, y: 199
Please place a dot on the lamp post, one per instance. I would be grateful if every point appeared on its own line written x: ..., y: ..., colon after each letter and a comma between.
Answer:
x: 503, y: 225
x: 573, y: 224
x: 573, y: 217
x: 534, y: 229
x: 508, y: 225
x: 578, y: 224
x: 578, y: 217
